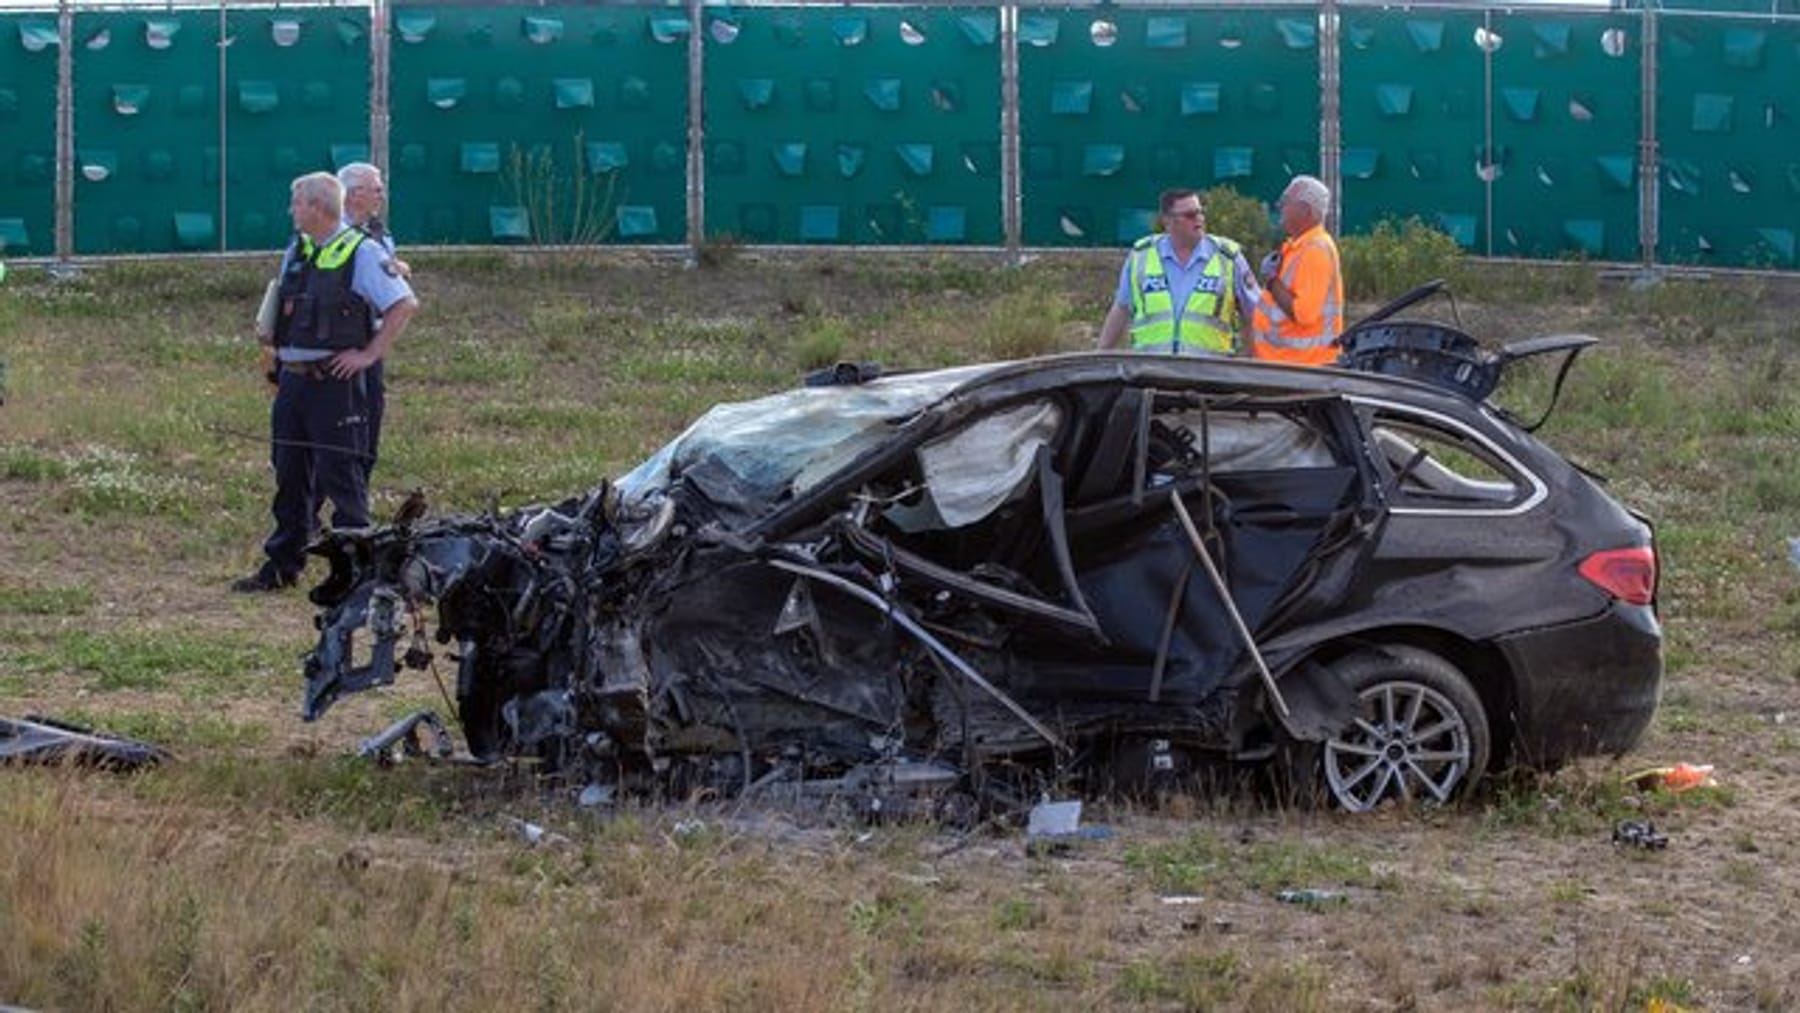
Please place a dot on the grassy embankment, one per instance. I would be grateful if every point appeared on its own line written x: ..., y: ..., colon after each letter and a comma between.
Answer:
x: 264, y: 870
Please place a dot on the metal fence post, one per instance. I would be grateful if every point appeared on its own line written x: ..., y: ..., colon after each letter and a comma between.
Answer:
x: 224, y: 229
x: 1489, y: 157
x: 1649, y: 194
x: 696, y: 132
x: 65, y: 130
x: 1010, y: 191
x: 1331, y: 118
x: 380, y: 102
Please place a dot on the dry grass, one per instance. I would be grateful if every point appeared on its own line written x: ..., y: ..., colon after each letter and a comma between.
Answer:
x: 264, y: 870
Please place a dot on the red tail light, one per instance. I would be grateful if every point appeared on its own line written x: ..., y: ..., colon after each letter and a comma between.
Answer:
x: 1627, y: 574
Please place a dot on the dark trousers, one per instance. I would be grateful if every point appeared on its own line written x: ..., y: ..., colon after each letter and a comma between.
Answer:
x: 320, y: 429
x: 376, y: 389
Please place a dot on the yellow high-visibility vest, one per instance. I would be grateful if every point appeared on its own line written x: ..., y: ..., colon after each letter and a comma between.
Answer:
x: 1208, y: 322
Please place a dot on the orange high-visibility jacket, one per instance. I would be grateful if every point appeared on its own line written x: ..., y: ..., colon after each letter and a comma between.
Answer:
x: 1309, y: 268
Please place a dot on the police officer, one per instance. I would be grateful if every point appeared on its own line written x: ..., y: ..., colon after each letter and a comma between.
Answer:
x: 1181, y: 291
x: 332, y: 289
x: 365, y: 198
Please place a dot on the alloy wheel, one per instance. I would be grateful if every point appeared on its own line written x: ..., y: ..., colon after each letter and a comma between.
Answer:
x: 1408, y: 743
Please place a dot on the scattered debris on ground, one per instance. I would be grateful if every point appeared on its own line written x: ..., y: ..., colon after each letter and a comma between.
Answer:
x: 41, y: 740
x: 1639, y: 834
x: 402, y: 740
x: 1674, y: 779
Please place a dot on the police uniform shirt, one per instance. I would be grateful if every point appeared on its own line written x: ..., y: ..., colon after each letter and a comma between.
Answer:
x: 378, y: 233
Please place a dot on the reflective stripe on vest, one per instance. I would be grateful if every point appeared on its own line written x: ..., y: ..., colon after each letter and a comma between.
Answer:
x: 336, y: 253
x: 1267, y: 339
x: 1203, y: 326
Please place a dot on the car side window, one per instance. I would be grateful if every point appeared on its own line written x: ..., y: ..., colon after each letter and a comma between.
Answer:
x: 1430, y: 464
x: 1240, y: 440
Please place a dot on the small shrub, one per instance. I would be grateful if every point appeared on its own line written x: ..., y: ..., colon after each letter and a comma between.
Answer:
x: 28, y: 464
x: 1021, y: 325
x: 572, y: 207
x: 821, y: 344
x: 1243, y: 218
x: 1396, y: 256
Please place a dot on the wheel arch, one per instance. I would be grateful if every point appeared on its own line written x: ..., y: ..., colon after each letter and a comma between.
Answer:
x: 1481, y: 662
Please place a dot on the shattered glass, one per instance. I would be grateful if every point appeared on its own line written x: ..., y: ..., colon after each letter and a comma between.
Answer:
x: 751, y: 455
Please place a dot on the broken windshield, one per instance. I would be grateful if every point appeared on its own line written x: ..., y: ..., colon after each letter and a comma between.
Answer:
x: 752, y: 454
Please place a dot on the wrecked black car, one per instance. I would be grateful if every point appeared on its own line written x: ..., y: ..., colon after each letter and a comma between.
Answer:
x: 1095, y: 569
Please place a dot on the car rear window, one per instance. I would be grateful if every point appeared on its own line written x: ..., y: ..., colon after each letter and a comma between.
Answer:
x: 1431, y: 463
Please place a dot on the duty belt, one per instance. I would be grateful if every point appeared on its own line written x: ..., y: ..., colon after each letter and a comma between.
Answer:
x: 309, y: 370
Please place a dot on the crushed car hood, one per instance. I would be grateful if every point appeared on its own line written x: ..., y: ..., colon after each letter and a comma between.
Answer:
x: 975, y: 566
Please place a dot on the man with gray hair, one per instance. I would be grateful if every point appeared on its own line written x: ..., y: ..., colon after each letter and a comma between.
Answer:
x: 1301, y: 311
x: 332, y: 290
x: 365, y: 198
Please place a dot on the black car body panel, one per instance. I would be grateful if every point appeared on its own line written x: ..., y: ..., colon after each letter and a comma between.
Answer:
x: 1586, y: 688
x: 1002, y: 563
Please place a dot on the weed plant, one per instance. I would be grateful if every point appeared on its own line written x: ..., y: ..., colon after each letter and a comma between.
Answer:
x: 566, y: 203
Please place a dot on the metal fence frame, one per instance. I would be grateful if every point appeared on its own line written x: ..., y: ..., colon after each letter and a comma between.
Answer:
x: 1329, y: 13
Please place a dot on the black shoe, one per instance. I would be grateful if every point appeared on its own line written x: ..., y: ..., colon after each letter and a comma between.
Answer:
x: 263, y: 580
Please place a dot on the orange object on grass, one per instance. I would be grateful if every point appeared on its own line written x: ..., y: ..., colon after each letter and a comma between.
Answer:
x: 1679, y: 778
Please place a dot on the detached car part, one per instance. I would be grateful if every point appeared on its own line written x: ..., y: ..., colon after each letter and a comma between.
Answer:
x: 39, y: 740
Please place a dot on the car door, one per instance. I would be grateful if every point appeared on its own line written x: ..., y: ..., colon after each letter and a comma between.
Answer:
x: 1275, y: 490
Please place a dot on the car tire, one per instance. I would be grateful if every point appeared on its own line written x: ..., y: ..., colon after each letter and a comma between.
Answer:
x: 1420, y: 734
x: 478, y: 711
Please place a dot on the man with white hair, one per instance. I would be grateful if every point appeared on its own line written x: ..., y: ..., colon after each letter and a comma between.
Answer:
x: 332, y: 290
x: 1301, y: 311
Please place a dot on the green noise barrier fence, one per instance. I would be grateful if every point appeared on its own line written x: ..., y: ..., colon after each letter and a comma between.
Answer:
x: 853, y: 125
x: 1653, y: 135
x: 189, y: 125
x: 1728, y: 120
x: 1116, y: 104
x: 539, y: 124
x: 29, y: 47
